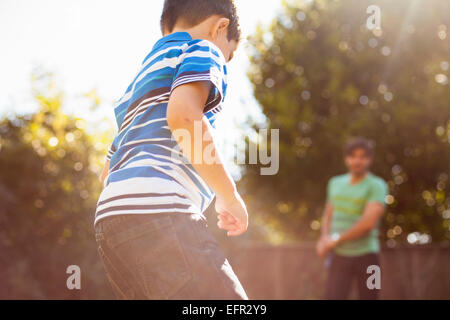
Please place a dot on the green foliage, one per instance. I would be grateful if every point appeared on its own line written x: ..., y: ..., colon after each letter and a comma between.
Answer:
x: 48, y: 192
x: 321, y: 77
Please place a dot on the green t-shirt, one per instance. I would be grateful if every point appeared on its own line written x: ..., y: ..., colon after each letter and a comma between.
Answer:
x: 348, y: 203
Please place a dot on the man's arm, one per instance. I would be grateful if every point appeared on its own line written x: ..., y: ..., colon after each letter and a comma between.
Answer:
x: 325, y: 230
x: 326, y: 219
x: 184, y: 110
x: 372, y: 213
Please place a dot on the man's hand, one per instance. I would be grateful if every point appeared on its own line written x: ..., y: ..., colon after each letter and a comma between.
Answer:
x: 325, y: 245
x: 232, y: 214
x: 371, y: 215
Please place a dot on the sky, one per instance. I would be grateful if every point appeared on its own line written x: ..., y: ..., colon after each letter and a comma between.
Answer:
x: 100, y: 44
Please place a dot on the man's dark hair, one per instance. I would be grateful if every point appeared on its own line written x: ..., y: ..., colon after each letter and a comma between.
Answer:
x: 193, y: 12
x: 360, y: 143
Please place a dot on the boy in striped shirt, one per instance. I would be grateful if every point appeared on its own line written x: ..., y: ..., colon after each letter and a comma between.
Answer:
x: 149, y: 222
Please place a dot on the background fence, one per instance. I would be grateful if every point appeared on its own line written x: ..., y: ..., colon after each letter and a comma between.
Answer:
x: 297, y: 273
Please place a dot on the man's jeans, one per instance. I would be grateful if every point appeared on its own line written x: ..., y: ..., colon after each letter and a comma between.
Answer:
x: 343, y: 271
x: 165, y: 256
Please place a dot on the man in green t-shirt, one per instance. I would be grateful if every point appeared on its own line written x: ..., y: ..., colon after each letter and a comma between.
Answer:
x: 355, y: 204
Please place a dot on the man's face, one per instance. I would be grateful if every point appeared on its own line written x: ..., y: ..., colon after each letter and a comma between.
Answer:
x: 358, y: 162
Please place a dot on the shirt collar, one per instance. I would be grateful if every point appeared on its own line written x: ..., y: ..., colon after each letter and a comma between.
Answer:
x: 176, y: 36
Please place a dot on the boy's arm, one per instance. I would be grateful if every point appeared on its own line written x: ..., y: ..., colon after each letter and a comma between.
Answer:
x: 184, y: 110
x: 104, y: 173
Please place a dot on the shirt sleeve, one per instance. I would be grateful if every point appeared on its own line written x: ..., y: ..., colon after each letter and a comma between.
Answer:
x: 378, y: 192
x: 203, y: 61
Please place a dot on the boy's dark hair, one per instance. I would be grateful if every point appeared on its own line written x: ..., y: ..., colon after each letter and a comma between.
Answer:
x: 193, y: 12
x: 360, y: 143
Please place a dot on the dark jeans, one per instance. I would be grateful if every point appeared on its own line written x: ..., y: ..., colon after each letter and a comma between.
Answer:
x: 165, y: 256
x: 342, y: 271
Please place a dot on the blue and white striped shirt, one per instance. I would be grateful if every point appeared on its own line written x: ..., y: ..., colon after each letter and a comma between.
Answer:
x: 144, y: 177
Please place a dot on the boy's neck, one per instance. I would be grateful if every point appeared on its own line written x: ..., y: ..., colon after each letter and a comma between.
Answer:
x: 200, y: 31
x: 195, y: 34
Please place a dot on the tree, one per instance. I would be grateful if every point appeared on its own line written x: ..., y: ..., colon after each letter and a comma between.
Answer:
x: 48, y: 190
x: 321, y: 77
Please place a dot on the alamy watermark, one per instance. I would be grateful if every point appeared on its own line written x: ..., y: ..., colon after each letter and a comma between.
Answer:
x: 74, y: 280
x: 373, y: 22
x: 374, y: 280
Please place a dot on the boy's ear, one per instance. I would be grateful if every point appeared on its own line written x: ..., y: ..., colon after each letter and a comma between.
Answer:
x: 220, y: 26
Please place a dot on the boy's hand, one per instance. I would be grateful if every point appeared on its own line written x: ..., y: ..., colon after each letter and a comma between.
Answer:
x: 232, y: 214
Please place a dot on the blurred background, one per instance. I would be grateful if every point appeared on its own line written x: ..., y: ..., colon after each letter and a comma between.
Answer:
x: 309, y: 68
